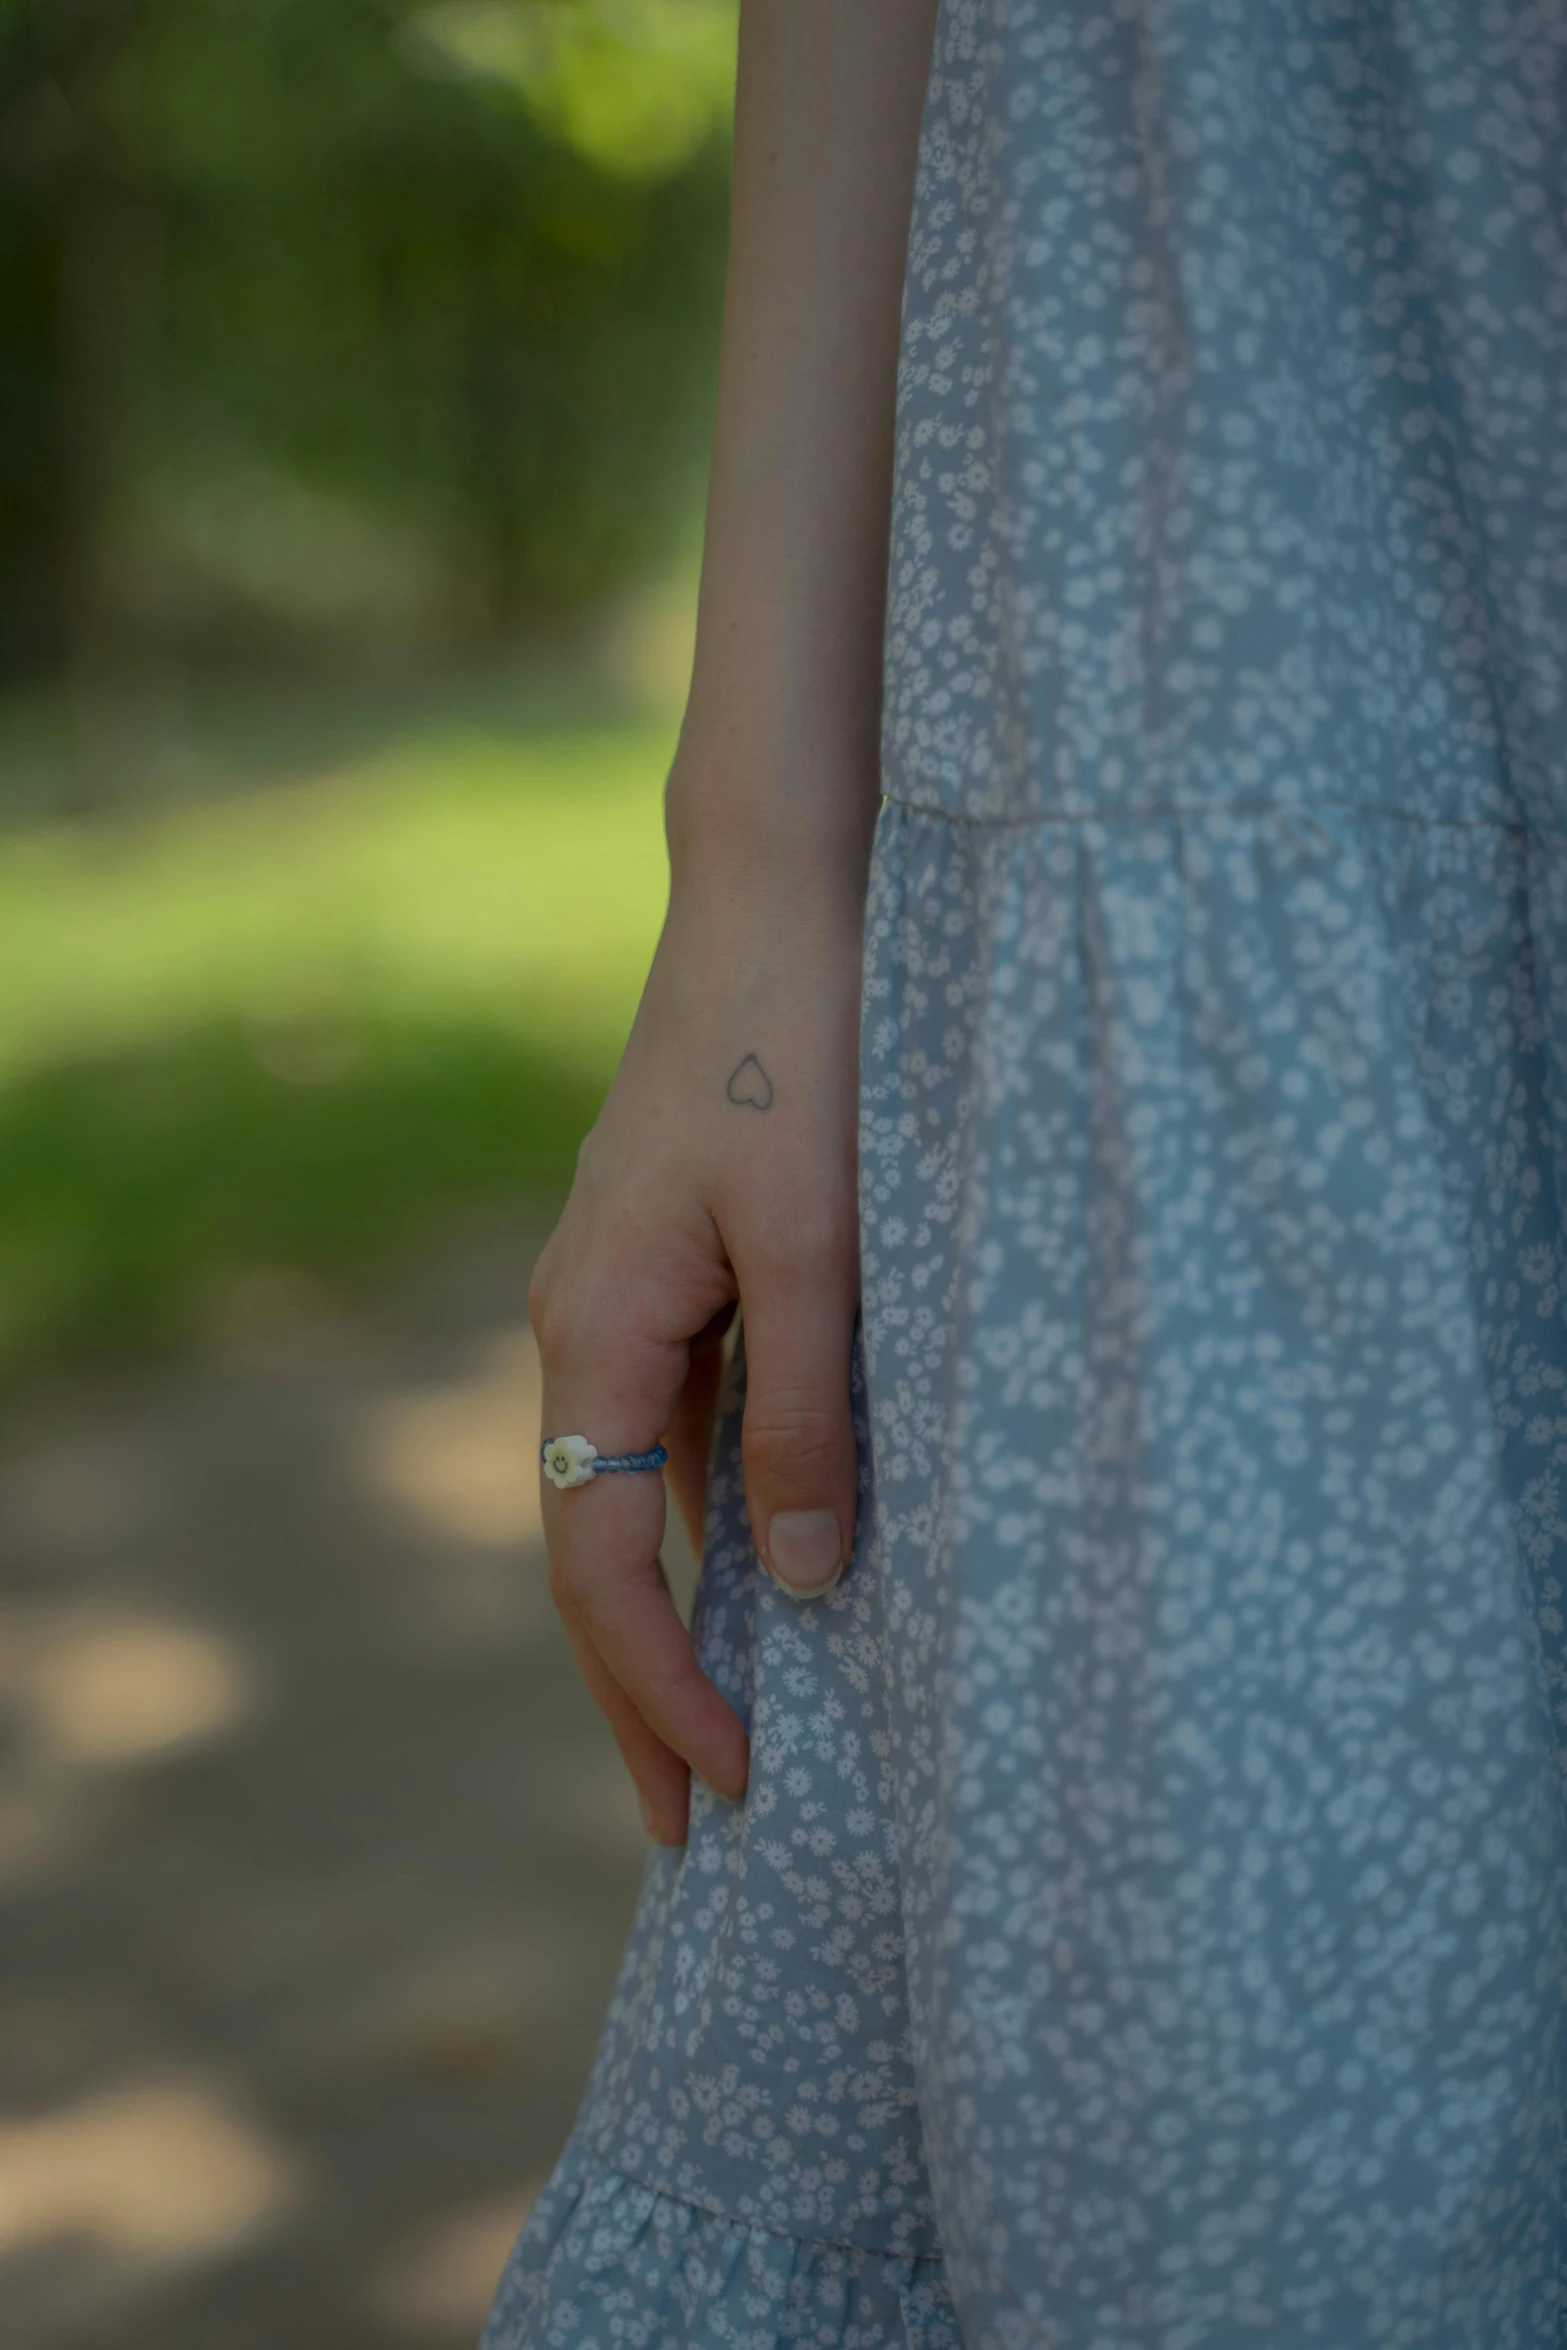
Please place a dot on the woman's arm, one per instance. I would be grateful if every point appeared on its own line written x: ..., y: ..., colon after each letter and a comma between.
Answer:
x: 722, y: 1166
x: 779, y: 749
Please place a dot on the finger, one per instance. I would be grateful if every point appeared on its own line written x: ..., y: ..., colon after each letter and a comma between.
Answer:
x: 615, y: 1345
x: 608, y: 1584
x: 603, y: 1541
x: 662, y: 1780
x: 689, y: 1435
x: 801, y: 1473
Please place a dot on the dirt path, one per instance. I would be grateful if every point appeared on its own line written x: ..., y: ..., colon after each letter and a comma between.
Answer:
x: 315, y: 1860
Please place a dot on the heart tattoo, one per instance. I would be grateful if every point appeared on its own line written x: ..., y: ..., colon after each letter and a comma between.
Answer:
x: 750, y: 1087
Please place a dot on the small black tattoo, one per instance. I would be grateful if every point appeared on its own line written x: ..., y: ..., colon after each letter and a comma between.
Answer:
x: 750, y: 1087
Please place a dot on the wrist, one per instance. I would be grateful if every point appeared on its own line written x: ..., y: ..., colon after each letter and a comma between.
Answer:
x: 759, y: 833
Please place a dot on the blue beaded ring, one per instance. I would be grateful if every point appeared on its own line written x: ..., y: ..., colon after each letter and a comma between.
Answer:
x: 571, y: 1460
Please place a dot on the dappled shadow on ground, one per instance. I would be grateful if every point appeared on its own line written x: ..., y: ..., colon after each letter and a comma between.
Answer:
x: 315, y: 1860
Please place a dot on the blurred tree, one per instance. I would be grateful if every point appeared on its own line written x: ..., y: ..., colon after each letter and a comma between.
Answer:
x: 75, y: 243
x: 453, y: 261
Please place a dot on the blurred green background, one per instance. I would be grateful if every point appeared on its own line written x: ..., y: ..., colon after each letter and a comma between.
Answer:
x: 356, y: 369
x: 356, y: 366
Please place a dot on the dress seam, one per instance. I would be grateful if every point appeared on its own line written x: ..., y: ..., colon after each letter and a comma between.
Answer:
x: 763, y: 2227
x: 1174, y: 809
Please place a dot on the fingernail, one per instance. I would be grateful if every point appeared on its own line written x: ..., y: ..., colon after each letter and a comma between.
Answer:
x: 804, y: 1552
x: 735, y: 1793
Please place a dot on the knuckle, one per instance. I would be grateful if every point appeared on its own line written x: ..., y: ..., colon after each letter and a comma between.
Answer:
x: 788, y: 1430
x: 576, y: 1327
x: 565, y: 1591
x: 542, y: 1310
x: 567, y: 1573
x: 554, y: 1325
x: 542, y: 1281
x: 582, y: 1599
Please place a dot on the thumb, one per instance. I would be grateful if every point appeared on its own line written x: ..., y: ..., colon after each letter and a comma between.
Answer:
x: 801, y: 1470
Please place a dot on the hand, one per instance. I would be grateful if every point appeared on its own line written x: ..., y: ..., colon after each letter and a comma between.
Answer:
x: 721, y: 1169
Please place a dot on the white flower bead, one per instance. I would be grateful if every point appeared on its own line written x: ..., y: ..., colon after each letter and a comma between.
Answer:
x: 568, y: 1460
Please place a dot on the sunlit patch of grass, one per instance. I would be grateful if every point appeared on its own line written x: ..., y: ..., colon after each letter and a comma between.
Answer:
x: 299, y: 1025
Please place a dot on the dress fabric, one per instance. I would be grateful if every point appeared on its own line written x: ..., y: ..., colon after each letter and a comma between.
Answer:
x: 1145, y: 1927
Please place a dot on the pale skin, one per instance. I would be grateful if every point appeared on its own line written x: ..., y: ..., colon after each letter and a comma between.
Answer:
x: 722, y: 1168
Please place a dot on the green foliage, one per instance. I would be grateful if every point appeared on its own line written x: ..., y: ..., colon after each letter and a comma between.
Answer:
x: 298, y: 1026
x: 131, y: 1185
x: 636, y: 86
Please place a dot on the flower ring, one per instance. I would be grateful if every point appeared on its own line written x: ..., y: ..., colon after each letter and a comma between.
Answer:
x: 572, y: 1460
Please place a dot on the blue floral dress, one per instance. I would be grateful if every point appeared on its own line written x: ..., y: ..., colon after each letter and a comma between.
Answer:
x: 1145, y: 1927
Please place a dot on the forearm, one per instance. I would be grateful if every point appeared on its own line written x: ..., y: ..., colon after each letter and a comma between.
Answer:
x: 777, y: 767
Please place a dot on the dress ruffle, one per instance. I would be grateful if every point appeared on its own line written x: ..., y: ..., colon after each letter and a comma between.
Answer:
x: 606, y: 2263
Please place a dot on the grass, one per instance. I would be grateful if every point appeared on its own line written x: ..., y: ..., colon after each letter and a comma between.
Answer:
x: 297, y: 1024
